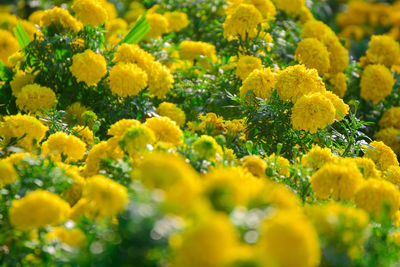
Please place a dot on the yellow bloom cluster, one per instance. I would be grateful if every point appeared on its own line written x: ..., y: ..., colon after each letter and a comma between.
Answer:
x: 90, y: 12
x: 260, y: 83
x: 60, y: 18
x: 88, y: 67
x: 34, y: 98
x: 127, y: 79
x: 376, y: 83
x: 242, y: 21
x: 60, y: 146
x: 26, y: 129
x: 38, y: 209
x: 171, y: 111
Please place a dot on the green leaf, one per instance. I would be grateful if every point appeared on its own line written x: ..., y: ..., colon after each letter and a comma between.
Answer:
x: 21, y: 35
x: 138, y: 31
x: 5, y: 73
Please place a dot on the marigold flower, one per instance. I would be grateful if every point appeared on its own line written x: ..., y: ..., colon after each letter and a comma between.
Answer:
x: 165, y: 130
x: 158, y: 24
x: 210, y: 242
x: 313, y: 54
x: 171, y: 111
x: 290, y: 6
x: 242, y: 21
x: 318, y: 157
x: 127, y: 79
x: 339, y: 85
x: 8, y: 174
x: 374, y: 194
x: 120, y: 127
x: 60, y: 18
x: 74, y: 237
x: 108, y: 197
x: 33, y: 98
x: 342, y: 109
x: 254, y: 164
x: 88, y: 67
x: 160, y: 80
x: 8, y: 46
x: 260, y: 83
x: 392, y: 174
x: 90, y: 12
x: 136, y: 139
x: 391, y: 118
x: 290, y: 233
x: 246, y: 65
x: 132, y: 53
x: 60, y: 145
x: 207, y: 148
x: 338, y: 180
x: 383, y: 49
x: 382, y: 155
x: 376, y: 83
x: 19, y: 80
x: 297, y: 81
x: 28, y: 130
x: 38, y: 209
x: 176, y: 20
x: 312, y: 112
x: 192, y: 50
x: 389, y: 136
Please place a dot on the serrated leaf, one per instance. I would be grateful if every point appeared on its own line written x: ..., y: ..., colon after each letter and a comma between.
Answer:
x: 21, y: 35
x: 138, y: 31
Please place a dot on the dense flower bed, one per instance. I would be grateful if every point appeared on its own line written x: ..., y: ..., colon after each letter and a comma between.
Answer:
x: 207, y: 133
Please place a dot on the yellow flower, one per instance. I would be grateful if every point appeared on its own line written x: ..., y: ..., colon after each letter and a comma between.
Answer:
x: 312, y: 112
x: 318, y: 157
x: 33, y: 98
x: 382, y: 155
x: 290, y: 6
x: 367, y: 167
x: 280, y: 163
x: 8, y: 46
x: 88, y: 67
x: 374, y: 194
x: 136, y: 139
x: 60, y: 18
x: 392, y: 174
x: 290, y: 233
x: 8, y: 174
x: 230, y: 187
x: 316, y: 29
x: 339, y: 85
x: 19, y: 80
x: 211, y: 241
x: 313, y: 54
x: 132, y: 53
x: 200, y: 51
x: 339, y: 180
x: 85, y: 134
x: 36, y: 16
x: 108, y: 197
x: 171, y: 111
x: 172, y: 174
x: 90, y: 12
x: 297, y: 81
x: 160, y: 80
x: 60, y: 145
x: 260, y: 83
x: 38, y: 209
x: 74, y: 192
x: 342, y: 227
x: 176, y: 20
x: 246, y: 65
x: 242, y: 21
x: 207, y: 148
x: 28, y: 130
x: 158, y: 24
x: 389, y: 136
x: 391, y: 118
x: 254, y: 164
x: 165, y: 130
x: 212, y: 123
x: 376, y: 83
x: 342, y: 109
x: 74, y: 237
x: 118, y: 129
x: 383, y: 50
x: 100, y: 151
x: 127, y: 79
